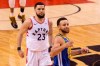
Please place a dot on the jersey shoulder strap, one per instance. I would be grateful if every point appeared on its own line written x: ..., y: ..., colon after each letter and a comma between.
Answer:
x: 65, y: 38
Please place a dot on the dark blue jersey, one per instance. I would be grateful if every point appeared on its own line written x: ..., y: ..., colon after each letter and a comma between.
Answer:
x: 62, y: 59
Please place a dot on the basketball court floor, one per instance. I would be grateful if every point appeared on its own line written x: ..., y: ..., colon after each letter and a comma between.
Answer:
x: 84, y: 19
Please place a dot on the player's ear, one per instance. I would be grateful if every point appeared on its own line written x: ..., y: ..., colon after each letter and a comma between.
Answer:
x: 58, y: 26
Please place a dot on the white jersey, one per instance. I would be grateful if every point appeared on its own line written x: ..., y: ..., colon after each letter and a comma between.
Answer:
x: 37, y: 36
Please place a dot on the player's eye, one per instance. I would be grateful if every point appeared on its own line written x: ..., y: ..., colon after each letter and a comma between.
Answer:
x: 42, y: 8
x: 64, y: 24
x: 39, y: 8
x: 67, y: 24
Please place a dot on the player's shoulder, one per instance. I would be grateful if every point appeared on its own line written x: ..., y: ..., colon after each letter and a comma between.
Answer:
x: 58, y: 38
x: 28, y: 20
x: 49, y: 21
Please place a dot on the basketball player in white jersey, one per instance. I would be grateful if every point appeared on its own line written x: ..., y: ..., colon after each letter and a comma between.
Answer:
x: 39, y: 35
x: 20, y: 15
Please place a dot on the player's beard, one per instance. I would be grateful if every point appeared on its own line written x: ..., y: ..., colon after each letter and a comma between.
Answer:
x: 40, y: 16
x: 65, y: 31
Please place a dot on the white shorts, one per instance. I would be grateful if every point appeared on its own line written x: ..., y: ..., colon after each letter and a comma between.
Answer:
x: 38, y: 58
x: 12, y: 3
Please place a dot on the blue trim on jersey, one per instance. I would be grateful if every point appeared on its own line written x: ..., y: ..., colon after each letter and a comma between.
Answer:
x: 63, y: 56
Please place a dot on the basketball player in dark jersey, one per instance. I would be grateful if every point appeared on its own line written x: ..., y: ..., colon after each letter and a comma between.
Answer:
x: 61, y: 50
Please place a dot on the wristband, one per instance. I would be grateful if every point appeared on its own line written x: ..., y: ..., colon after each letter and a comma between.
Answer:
x: 18, y: 48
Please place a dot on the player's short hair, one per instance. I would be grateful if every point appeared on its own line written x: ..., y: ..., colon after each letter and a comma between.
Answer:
x: 60, y: 19
x: 38, y: 3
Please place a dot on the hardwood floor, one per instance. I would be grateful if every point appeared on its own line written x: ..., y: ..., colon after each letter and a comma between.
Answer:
x: 86, y: 35
x: 84, y: 31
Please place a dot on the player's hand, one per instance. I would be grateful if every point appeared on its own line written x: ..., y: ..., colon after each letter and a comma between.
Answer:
x: 21, y: 53
x: 69, y: 44
x: 84, y: 50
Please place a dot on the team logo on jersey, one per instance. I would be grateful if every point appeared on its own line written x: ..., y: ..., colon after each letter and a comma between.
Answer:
x: 33, y: 34
x: 41, y: 36
x: 41, y: 29
x: 34, y: 24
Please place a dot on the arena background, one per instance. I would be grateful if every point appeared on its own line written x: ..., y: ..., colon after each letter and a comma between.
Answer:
x: 84, y: 19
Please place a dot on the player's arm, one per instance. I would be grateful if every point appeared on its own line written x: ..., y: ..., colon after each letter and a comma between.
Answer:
x: 56, y: 48
x: 79, y: 51
x: 22, y: 30
x: 59, y: 45
x: 50, y: 32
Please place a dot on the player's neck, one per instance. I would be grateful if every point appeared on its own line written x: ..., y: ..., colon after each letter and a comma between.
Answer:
x: 63, y: 34
x: 40, y: 20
